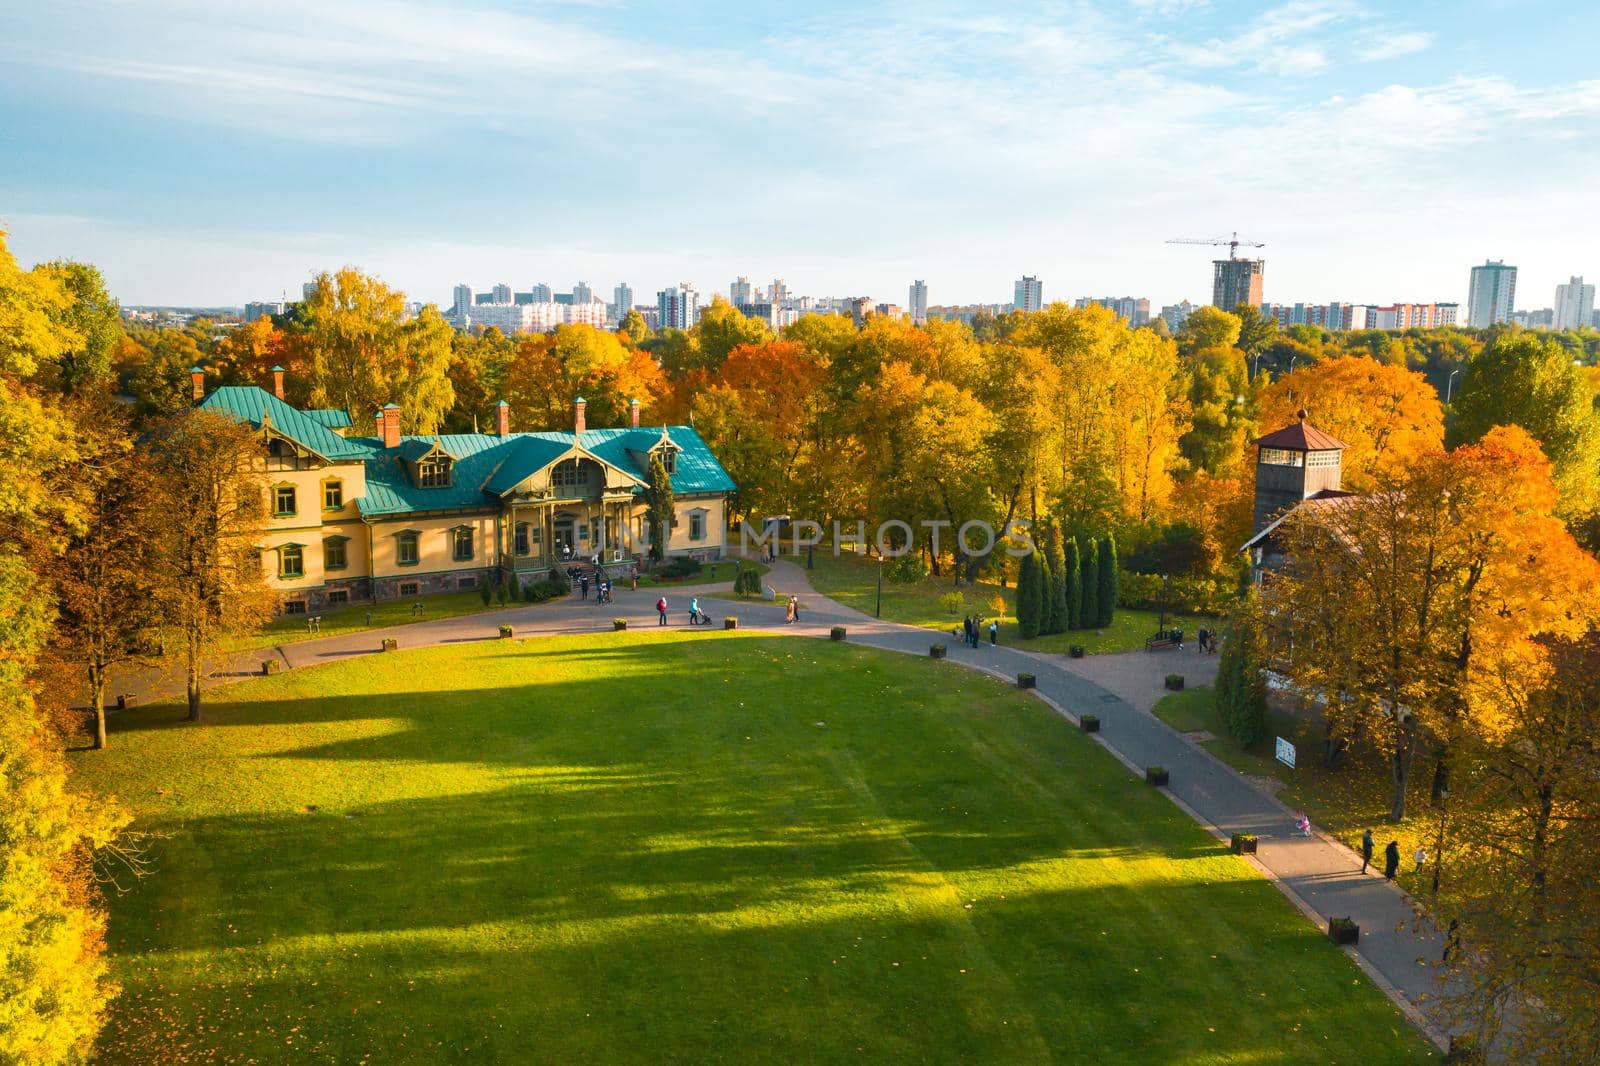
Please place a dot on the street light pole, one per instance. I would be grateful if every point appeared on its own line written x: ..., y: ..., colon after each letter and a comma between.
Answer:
x: 878, y: 611
x: 1449, y: 385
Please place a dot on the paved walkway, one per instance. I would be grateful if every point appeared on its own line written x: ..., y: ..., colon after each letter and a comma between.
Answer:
x: 1321, y: 876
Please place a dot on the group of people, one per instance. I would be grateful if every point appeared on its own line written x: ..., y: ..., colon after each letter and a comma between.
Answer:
x: 602, y: 586
x: 791, y: 610
x: 1391, y: 856
x: 972, y: 631
x: 1207, y: 639
x: 697, y: 617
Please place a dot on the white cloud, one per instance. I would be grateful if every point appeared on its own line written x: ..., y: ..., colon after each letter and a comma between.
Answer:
x: 1398, y: 44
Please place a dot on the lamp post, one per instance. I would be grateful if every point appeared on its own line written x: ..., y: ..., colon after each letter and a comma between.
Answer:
x: 878, y: 611
x: 1255, y: 366
x: 1449, y: 385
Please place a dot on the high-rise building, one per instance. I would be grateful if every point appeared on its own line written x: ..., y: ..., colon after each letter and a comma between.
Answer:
x: 1492, y: 295
x: 1574, y: 305
x: 1135, y: 310
x: 308, y: 290
x: 622, y: 298
x: 582, y: 294
x: 1237, y: 281
x: 1029, y: 294
x: 919, y: 302
x: 258, y: 308
x: 860, y: 308
x: 740, y: 291
x: 541, y: 293
x: 502, y: 293
x: 777, y: 292
x: 463, y: 300
x: 1175, y: 315
x: 680, y: 307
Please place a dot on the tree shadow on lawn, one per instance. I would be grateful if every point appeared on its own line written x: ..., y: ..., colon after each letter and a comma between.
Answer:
x: 488, y: 921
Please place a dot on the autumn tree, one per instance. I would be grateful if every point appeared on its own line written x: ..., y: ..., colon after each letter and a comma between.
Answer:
x: 1398, y: 600
x: 208, y: 571
x: 247, y: 355
x: 1385, y: 415
x: 1530, y: 382
x: 363, y: 351
x: 102, y: 577
x: 159, y: 378
x: 93, y: 317
x: 722, y: 328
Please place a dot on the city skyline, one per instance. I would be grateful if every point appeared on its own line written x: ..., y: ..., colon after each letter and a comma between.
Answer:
x: 309, y: 150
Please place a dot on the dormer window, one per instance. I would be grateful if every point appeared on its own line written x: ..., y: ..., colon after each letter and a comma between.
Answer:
x: 434, y: 472
x: 569, y: 474
x: 668, y: 456
x: 1282, y: 457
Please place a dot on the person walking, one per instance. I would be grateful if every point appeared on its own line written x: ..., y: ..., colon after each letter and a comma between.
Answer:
x: 1391, y: 860
x: 694, y: 611
x: 994, y: 633
x: 788, y: 610
x: 583, y: 583
x: 1366, y: 850
x: 966, y: 631
x: 661, y: 611
x: 795, y: 601
x: 1452, y: 939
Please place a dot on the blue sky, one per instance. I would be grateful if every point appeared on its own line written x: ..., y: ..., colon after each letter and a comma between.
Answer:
x: 213, y: 152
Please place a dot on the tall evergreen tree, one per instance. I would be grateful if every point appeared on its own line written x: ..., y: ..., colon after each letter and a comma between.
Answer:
x: 1072, y: 591
x: 1028, y: 597
x: 1089, y: 587
x: 658, y: 507
x: 1107, y: 579
x: 1241, y: 695
x: 1052, y: 620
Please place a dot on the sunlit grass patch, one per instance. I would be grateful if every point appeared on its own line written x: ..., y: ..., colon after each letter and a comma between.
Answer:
x: 654, y: 847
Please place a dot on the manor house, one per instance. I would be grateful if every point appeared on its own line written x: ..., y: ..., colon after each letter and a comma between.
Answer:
x: 355, y: 518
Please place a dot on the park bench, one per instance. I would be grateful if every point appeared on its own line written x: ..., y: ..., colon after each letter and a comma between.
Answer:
x: 1165, y: 638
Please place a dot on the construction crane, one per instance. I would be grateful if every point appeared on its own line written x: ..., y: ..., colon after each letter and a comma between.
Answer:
x: 1233, y: 242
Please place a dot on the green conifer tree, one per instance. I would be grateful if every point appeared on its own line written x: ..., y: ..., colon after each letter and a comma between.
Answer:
x: 1051, y: 620
x: 1028, y: 597
x: 1241, y: 695
x: 1107, y: 579
x: 1072, y: 590
x: 1089, y: 586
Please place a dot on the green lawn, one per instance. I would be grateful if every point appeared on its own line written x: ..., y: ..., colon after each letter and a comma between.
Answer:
x: 853, y: 580
x: 647, y: 847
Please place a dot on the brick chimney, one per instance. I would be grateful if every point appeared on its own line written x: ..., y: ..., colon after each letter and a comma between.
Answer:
x: 633, y: 411
x: 277, y: 382
x: 578, y: 424
x: 502, y: 419
x: 197, y: 379
x: 391, y: 425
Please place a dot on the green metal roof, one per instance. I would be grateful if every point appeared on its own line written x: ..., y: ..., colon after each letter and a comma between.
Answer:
x: 332, y: 417
x: 486, y: 465
x: 255, y: 405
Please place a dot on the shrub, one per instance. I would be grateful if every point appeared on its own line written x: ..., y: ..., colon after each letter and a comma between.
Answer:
x: 952, y: 602
x: 485, y: 592
x: 514, y: 587
x: 503, y: 591
x: 1175, y: 682
x: 679, y: 566
x: 747, y: 582
x: 1027, y: 681
x: 906, y: 569
x: 551, y: 588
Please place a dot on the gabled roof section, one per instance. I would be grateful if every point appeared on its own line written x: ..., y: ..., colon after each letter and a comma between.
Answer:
x: 247, y: 403
x: 1322, y: 501
x: 697, y: 468
x: 1301, y: 437
x: 417, y: 448
x: 530, y: 452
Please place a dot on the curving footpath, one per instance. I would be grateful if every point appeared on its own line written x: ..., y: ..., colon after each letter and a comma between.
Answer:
x: 1322, y: 877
